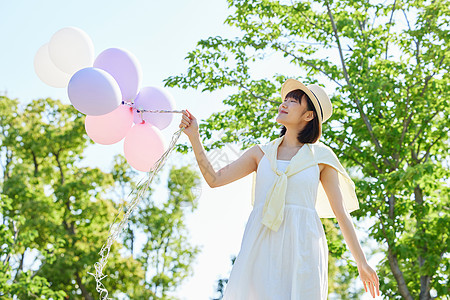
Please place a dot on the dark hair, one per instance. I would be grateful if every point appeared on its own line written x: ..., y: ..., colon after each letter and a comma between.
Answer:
x: 310, y: 133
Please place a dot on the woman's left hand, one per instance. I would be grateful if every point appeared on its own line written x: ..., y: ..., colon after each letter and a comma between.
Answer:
x: 369, y: 278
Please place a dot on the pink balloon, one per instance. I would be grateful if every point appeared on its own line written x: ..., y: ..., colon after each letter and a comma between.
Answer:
x: 110, y: 128
x: 143, y: 146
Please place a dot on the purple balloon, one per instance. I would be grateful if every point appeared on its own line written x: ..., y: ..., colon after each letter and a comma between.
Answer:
x: 94, y: 92
x: 154, y: 98
x: 125, y: 69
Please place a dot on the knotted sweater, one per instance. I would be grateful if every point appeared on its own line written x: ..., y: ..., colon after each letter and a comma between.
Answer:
x: 308, y: 155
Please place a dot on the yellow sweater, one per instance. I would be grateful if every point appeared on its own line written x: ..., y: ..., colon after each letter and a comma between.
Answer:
x: 317, y: 153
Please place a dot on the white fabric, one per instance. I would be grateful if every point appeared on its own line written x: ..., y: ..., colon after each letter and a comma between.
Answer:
x: 292, y: 262
x: 313, y: 154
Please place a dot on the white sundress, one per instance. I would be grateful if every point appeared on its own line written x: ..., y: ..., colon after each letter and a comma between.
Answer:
x: 291, y: 263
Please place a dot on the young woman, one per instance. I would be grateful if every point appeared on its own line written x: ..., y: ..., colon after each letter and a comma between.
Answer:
x: 284, y: 253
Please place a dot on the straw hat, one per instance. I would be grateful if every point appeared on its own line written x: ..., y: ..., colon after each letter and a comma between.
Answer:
x: 317, y: 94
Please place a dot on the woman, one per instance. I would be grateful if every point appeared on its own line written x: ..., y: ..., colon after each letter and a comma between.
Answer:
x: 284, y: 252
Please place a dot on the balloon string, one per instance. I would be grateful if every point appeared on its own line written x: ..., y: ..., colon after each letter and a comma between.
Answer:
x: 115, y: 229
x: 152, y: 111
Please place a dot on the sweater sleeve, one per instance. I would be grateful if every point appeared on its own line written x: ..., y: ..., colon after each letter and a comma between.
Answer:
x: 325, y: 155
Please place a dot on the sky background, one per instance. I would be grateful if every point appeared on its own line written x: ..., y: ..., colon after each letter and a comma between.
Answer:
x: 159, y: 34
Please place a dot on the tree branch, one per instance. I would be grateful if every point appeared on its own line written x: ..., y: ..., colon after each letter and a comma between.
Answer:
x: 424, y: 158
x: 428, y: 78
x: 83, y: 288
x: 20, y: 268
x: 36, y: 165
x: 390, y: 22
x: 307, y: 19
x: 301, y: 59
x: 8, y: 156
x: 407, y: 120
x: 16, y: 233
x: 238, y: 83
x: 398, y: 274
x: 414, y: 155
x: 361, y: 152
x: 421, y: 128
x: 356, y: 99
x: 56, y: 154
x: 424, y: 279
x: 393, y: 261
x: 338, y: 42
x: 406, y: 18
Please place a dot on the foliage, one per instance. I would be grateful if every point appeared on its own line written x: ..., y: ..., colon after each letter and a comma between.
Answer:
x: 165, y: 248
x: 58, y: 214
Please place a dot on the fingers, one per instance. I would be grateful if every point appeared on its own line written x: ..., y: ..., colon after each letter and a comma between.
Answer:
x: 370, y: 281
x: 187, y: 114
x: 371, y: 288
x: 184, y: 123
x: 190, y: 115
x: 185, y: 120
x: 377, y: 284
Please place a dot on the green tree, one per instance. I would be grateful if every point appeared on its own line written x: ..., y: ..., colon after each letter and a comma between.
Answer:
x: 387, y: 65
x: 25, y: 284
x: 59, y: 213
x: 166, y: 251
x: 61, y: 208
x: 341, y: 270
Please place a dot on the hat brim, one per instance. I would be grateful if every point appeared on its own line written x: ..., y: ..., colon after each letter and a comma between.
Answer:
x: 291, y: 85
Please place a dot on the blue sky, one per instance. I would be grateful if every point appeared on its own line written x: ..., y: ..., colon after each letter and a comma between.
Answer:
x: 160, y: 34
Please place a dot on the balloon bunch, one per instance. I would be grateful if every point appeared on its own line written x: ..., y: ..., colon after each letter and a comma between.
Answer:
x: 106, y: 90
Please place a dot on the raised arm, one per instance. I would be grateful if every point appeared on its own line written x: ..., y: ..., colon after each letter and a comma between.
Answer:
x: 330, y: 183
x: 241, y: 167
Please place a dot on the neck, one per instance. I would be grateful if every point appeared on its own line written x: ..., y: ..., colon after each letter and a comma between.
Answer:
x: 290, y: 140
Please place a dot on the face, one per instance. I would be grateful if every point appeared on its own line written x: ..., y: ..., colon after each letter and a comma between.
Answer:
x: 296, y: 115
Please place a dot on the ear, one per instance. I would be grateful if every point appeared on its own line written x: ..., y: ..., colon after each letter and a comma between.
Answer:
x: 309, y: 115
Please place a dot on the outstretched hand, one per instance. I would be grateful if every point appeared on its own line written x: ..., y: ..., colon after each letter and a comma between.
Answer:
x: 369, y: 278
x: 190, y: 123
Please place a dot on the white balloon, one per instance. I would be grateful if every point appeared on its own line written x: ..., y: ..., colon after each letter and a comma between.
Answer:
x: 47, y: 71
x: 71, y: 49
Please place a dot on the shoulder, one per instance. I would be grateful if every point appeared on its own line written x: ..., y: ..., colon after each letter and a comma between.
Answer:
x: 256, y: 150
x: 271, y: 144
x: 321, y: 150
x: 255, y: 153
x: 324, y: 155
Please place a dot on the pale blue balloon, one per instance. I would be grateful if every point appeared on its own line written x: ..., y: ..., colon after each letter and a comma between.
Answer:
x: 94, y: 92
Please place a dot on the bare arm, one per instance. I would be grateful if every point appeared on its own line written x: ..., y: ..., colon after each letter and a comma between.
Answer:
x: 241, y: 167
x: 330, y: 182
